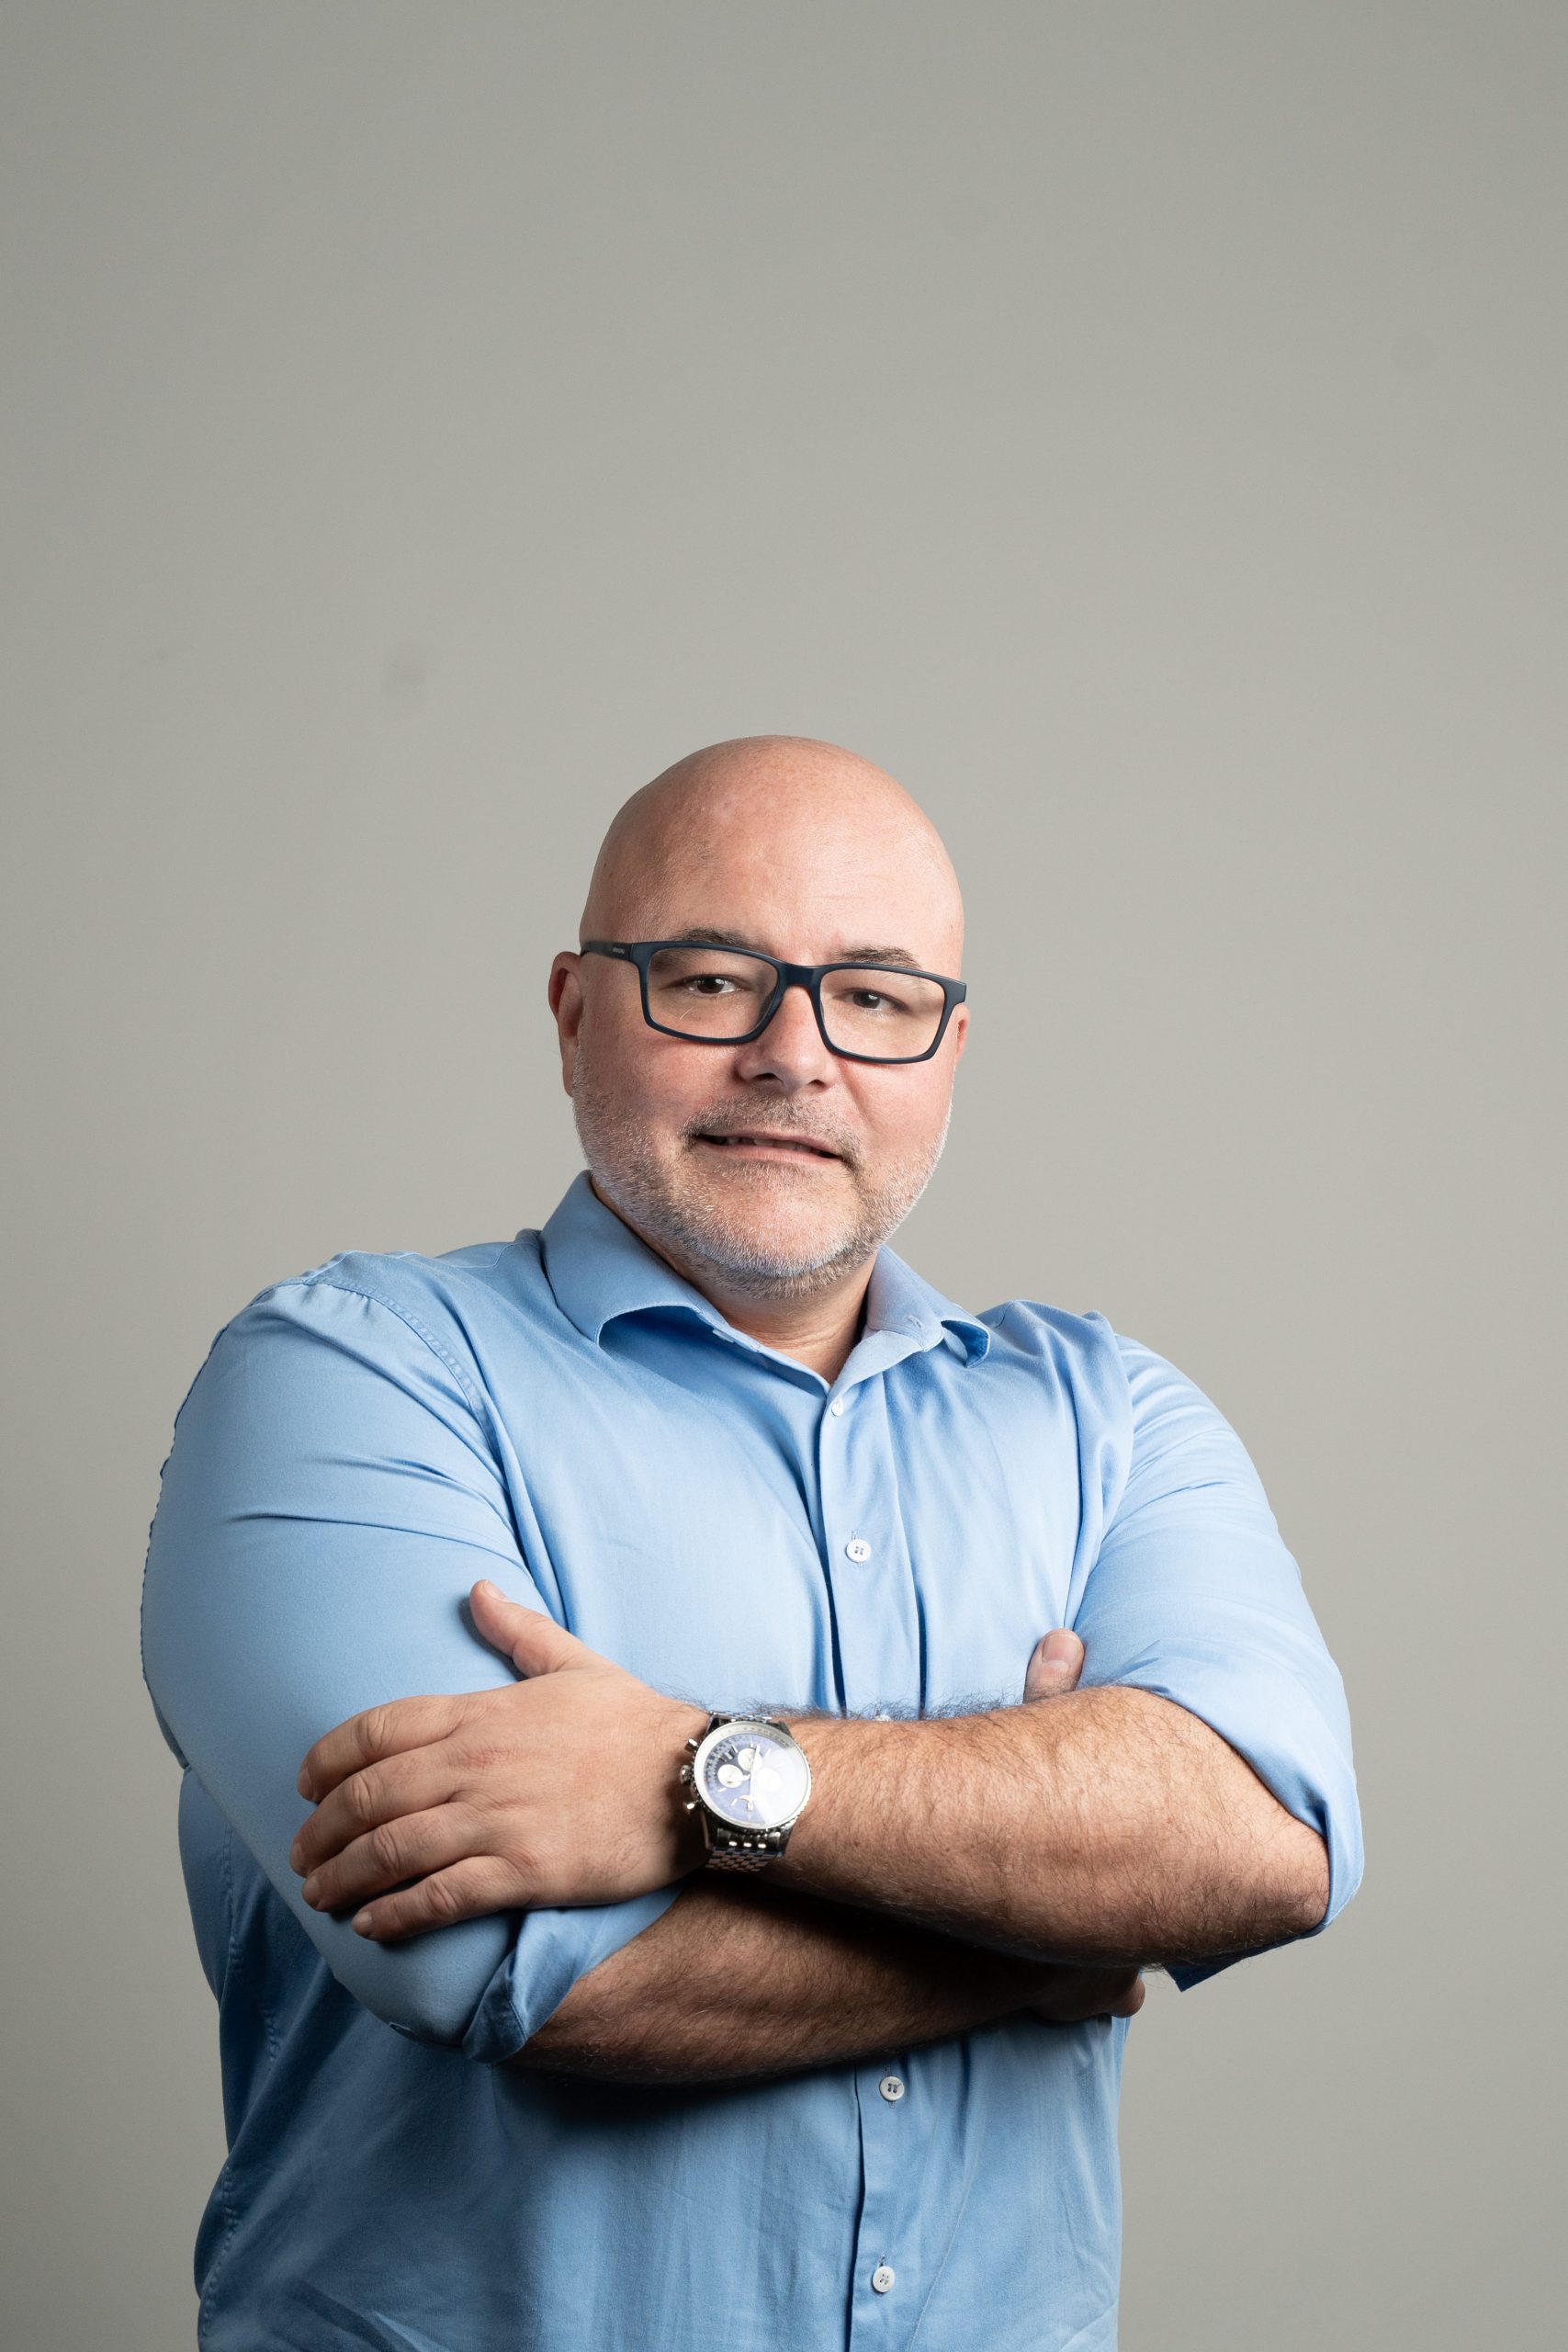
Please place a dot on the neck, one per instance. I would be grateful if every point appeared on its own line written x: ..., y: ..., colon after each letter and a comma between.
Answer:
x: 818, y: 1331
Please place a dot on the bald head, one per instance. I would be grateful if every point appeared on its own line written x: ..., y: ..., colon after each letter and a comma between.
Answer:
x: 803, y: 829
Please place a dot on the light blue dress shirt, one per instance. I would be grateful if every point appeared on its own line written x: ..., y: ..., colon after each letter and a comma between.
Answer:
x: 564, y: 1414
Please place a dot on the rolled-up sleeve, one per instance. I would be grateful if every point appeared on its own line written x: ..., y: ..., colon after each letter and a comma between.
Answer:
x: 1192, y: 1595
x: 330, y: 1496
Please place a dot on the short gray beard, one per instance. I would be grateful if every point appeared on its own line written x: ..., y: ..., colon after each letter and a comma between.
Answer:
x: 635, y: 1183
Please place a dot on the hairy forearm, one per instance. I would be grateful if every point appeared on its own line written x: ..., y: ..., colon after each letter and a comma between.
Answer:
x: 1108, y: 1825
x: 738, y: 1977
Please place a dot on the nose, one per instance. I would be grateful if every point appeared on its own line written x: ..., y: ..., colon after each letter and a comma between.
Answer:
x: 791, y: 1048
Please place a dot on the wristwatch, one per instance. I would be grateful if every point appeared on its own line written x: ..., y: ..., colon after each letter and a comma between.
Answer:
x: 748, y: 1779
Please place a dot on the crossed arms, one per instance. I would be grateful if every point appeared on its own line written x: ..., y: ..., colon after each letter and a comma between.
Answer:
x: 946, y: 1872
x: 1198, y: 1855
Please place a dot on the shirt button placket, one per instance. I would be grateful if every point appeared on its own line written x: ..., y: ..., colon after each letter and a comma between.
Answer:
x: 878, y: 1635
x: 863, y: 1553
x: 884, y: 2150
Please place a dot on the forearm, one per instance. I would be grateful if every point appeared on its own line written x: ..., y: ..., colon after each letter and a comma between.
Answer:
x: 738, y: 1977
x: 1109, y: 1825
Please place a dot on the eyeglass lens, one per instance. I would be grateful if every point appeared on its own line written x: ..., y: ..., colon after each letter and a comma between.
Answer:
x: 719, y: 993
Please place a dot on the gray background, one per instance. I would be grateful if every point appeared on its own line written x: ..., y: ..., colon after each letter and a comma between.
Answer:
x: 1139, y: 428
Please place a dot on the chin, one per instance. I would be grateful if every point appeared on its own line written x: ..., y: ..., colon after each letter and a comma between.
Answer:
x: 784, y: 1241
x: 802, y: 1234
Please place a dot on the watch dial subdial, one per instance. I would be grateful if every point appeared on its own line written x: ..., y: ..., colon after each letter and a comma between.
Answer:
x: 754, y: 1781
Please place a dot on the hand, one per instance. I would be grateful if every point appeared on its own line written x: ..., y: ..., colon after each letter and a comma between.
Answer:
x: 1054, y: 1665
x: 560, y: 1789
x: 1069, y: 1995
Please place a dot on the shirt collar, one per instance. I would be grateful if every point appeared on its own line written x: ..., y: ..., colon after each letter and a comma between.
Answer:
x: 599, y: 1269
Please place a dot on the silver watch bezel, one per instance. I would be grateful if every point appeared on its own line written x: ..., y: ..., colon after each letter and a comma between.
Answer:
x: 723, y: 1726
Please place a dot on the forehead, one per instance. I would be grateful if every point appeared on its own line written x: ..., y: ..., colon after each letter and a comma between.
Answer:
x: 801, y: 928
x: 808, y: 891
x: 846, y: 949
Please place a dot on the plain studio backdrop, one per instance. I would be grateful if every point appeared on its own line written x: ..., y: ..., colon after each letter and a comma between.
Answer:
x: 1137, y: 427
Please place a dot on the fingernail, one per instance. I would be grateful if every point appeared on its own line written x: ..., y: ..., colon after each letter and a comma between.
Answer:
x: 296, y: 1855
x: 1059, y: 1647
x: 362, y: 1923
x: 485, y: 1586
x: 303, y: 1782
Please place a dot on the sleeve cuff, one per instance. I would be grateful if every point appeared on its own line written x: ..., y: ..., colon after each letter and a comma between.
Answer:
x: 551, y: 1950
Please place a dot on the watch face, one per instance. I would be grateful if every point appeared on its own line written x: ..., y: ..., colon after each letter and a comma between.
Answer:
x: 752, y: 1776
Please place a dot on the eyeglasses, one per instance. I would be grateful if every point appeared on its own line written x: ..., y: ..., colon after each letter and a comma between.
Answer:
x: 727, y: 996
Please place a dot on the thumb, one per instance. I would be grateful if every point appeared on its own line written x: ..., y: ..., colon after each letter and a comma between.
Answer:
x: 531, y: 1638
x: 1055, y: 1664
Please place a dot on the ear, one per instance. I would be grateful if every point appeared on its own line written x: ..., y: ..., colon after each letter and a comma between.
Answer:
x: 566, y: 1002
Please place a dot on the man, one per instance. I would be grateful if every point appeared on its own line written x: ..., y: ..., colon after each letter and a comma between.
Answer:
x: 461, y: 1567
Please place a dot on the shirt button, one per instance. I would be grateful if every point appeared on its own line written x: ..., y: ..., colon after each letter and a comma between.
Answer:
x: 892, y: 2088
x: 882, y: 2278
x: 836, y: 1406
x: 857, y: 1549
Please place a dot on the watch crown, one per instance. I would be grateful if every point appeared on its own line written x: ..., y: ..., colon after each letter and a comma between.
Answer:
x: 686, y: 1772
x: 694, y: 1744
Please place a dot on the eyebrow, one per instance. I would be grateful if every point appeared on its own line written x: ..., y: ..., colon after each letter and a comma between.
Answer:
x: 716, y: 936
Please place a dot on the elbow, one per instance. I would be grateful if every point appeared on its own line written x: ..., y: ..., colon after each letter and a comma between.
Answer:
x: 1317, y: 1883
x: 1321, y: 1887
x: 431, y: 1988
x: 1303, y: 1883
x: 1275, y: 1897
x: 432, y: 2019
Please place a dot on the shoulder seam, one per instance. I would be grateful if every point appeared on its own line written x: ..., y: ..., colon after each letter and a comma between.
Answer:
x: 357, y: 1290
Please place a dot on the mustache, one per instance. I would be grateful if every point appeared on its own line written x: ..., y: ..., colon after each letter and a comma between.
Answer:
x: 746, y: 1121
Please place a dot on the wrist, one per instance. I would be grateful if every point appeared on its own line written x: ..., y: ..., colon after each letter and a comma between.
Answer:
x: 845, y: 1753
x: 687, y: 1843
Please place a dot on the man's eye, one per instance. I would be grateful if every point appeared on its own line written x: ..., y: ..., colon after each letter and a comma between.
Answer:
x: 707, y: 983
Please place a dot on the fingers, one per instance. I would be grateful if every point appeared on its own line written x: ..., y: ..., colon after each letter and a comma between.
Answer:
x: 413, y: 1847
x: 366, y: 1800
x: 469, y: 1890
x: 1126, y: 2004
x: 530, y: 1636
x: 1070, y: 1996
x: 1054, y: 1665
x: 380, y: 1731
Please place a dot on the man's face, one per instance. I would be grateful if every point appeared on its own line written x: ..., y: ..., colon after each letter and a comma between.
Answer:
x: 776, y: 1165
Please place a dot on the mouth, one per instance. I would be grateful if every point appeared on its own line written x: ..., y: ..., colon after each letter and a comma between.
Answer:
x: 760, y: 1143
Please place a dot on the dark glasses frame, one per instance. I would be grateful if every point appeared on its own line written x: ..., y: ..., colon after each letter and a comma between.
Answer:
x: 809, y: 976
